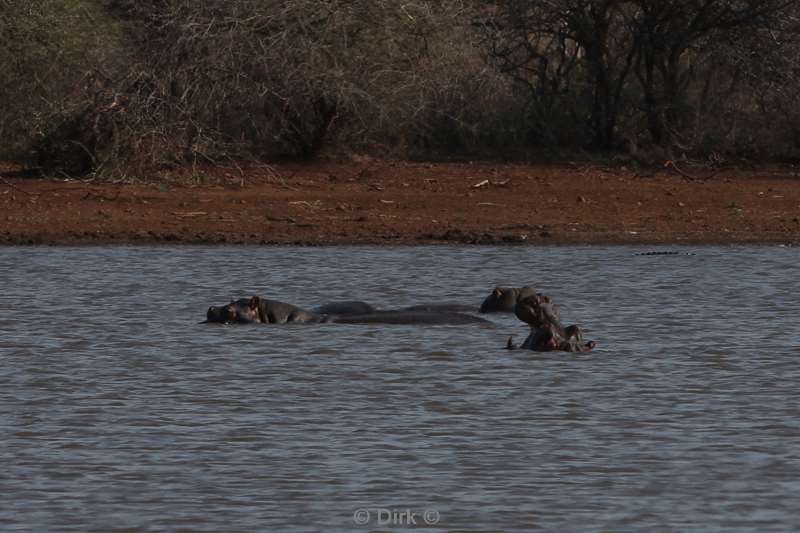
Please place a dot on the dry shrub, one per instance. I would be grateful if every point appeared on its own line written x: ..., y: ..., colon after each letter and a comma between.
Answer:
x: 130, y: 87
x: 245, y: 78
x: 47, y: 49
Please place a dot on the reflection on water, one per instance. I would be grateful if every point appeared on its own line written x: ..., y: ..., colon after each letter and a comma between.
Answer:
x: 121, y: 411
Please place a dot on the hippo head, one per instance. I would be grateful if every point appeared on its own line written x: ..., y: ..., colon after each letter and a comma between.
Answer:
x: 503, y: 299
x: 243, y: 311
x: 537, y: 310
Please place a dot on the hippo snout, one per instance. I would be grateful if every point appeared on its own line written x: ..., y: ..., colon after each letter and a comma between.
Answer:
x: 243, y: 311
x: 216, y: 314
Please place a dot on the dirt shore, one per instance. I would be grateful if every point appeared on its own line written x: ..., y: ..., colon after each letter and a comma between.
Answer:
x: 393, y: 203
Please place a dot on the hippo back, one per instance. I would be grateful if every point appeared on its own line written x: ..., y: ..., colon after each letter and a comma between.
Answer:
x: 275, y: 312
x: 409, y: 317
x: 439, y: 308
x: 355, y: 307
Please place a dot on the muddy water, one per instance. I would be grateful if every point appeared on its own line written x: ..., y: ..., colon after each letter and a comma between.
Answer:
x: 121, y: 411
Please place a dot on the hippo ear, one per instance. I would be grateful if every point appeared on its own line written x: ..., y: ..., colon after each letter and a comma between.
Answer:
x: 527, y: 290
x: 498, y: 291
x: 254, y: 303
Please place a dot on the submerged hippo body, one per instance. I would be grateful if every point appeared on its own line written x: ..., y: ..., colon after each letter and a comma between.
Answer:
x: 504, y: 299
x: 261, y: 310
x: 547, y: 333
x: 441, y: 308
x: 344, y: 308
x: 258, y: 310
x: 405, y: 316
x: 357, y: 307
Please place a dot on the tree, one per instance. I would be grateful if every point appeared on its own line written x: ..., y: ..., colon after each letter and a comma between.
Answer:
x: 554, y: 46
x: 671, y: 34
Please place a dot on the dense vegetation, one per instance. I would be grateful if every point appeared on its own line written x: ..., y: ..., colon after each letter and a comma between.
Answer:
x: 129, y: 86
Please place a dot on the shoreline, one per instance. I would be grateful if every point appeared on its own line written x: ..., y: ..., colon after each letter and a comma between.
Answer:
x: 379, y: 203
x: 34, y: 242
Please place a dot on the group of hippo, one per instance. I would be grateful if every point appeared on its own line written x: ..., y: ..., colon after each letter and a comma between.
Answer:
x: 535, y: 309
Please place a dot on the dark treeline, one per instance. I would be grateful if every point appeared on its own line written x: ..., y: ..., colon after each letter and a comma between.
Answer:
x: 124, y: 87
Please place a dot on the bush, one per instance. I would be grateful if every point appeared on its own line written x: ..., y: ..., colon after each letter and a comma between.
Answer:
x: 126, y: 88
x: 48, y: 51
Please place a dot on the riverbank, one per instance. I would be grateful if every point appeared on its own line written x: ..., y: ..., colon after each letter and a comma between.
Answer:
x: 392, y: 203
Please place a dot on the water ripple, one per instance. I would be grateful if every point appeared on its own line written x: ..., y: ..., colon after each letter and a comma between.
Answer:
x: 121, y: 412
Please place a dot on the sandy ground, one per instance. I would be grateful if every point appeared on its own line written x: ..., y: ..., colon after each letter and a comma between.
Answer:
x: 378, y: 202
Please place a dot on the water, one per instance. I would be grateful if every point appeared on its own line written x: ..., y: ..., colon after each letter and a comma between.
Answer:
x: 121, y: 412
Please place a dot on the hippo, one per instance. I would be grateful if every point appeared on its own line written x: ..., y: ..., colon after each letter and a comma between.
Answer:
x: 501, y: 300
x: 440, y: 308
x: 344, y: 308
x: 261, y: 310
x: 547, y: 333
x: 409, y: 316
x: 504, y: 299
x: 357, y: 307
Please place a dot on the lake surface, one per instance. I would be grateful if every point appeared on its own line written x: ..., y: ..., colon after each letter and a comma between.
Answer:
x: 120, y: 411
